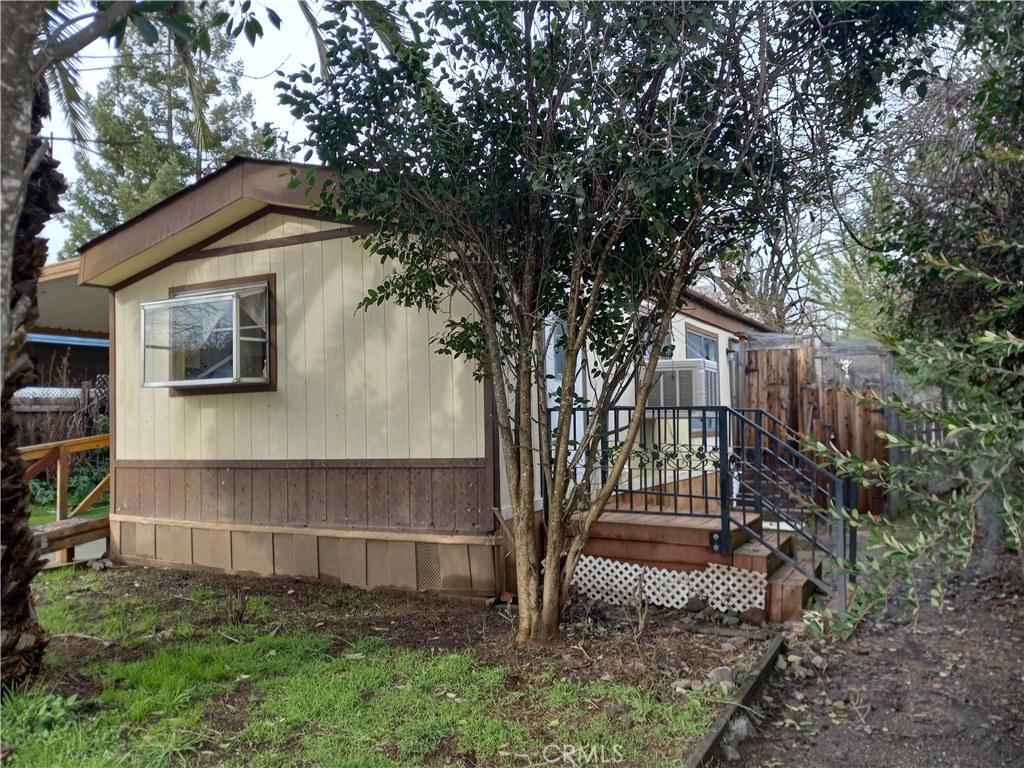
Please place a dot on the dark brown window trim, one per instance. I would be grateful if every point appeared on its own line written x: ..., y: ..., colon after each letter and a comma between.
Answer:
x: 236, y: 389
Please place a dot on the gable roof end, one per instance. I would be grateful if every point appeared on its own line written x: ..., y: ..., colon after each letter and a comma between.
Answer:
x: 188, y: 217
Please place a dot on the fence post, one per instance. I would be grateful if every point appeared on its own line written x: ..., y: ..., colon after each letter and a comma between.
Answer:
x: 724, y: 544
x: 853, y: 533
x: 839, y: 546
x: 63, y: 467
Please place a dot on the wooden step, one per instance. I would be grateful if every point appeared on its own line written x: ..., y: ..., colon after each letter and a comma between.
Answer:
x: 678, y: 567
x: 647, y: 551
x: 63, y: 534
x: 667, y: 529
x: 788, y: 592
x: 760, y: 558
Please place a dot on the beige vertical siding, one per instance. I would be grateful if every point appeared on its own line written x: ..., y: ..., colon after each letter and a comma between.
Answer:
x: 351, y: 384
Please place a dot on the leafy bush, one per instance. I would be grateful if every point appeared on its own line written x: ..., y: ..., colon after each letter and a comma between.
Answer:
x: 967, y: 475
x: 33, y: 710
x: 80, y: 484
x: 43, y: 492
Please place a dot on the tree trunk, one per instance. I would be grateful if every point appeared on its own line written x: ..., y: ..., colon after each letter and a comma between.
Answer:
x: 23, y: 640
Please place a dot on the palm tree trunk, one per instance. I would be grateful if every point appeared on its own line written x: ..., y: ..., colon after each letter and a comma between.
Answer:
x: 22, y: 640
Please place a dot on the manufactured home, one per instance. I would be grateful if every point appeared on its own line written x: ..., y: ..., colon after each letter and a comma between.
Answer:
x: 261, y: 423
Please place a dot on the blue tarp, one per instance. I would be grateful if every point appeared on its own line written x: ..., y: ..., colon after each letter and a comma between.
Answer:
x: 68, y: 341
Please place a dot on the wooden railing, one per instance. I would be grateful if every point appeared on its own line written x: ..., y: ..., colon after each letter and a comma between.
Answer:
x: 44, y: 456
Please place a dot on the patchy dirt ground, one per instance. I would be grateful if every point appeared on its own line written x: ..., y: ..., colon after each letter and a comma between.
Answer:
x: 599, y: 643
x: 948, y: 695
x: 149, y: 609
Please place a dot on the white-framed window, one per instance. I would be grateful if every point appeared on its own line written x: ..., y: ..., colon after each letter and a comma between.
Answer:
x: 210, y: 337
x: 700, y: 346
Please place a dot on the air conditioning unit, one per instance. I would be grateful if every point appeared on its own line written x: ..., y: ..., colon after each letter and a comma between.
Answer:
x: 685, y: 384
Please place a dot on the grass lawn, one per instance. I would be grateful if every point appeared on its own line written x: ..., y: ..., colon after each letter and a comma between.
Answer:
x: 164, y: 668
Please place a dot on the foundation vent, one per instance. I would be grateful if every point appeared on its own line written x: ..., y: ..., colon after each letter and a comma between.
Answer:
x: 428, y: 567
x: 129, y: 548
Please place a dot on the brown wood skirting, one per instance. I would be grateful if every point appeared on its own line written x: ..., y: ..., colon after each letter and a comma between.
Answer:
x: 420, y: 561
x: 369, y: 534
x: 417, y: 495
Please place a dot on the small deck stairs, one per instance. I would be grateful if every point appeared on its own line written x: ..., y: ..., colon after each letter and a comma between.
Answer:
x: 736, y: 492
x: 677, y: 543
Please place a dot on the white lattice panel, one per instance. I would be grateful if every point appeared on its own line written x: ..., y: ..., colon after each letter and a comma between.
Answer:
x: 719, y: 586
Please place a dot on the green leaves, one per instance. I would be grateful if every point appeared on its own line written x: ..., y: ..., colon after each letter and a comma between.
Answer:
x: 950, y: 480
x: 136, y: 163
x: 574, y: 161
x: 146, y: 29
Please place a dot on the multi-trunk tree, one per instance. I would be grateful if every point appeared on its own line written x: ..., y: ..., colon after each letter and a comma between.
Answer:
x: 574, y: 165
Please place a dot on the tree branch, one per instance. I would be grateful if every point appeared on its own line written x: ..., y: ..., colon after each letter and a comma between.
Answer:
x: 56, y: 50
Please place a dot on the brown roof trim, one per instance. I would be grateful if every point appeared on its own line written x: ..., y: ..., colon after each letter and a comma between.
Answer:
x: 60, y: 269
x: 734, y: 321
x: 260, y: 181
x: 194, y: 251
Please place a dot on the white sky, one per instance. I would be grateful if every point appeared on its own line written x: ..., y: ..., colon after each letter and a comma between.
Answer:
x: 285, y: 49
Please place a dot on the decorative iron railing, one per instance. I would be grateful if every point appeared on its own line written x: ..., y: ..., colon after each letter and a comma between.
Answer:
x: 741, y: 468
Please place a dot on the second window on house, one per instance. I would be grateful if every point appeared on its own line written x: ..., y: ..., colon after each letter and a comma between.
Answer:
x: 701, y: 347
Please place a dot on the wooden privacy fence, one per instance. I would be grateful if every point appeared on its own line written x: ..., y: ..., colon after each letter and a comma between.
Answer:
x: 817, y: 388
x: 61, y: 536
x: 44, y: 414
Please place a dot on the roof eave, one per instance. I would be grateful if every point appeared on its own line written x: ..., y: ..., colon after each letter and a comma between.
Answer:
x: 241, y: 187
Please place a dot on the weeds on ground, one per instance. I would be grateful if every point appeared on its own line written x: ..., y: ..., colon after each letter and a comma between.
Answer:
x: 251, y: 695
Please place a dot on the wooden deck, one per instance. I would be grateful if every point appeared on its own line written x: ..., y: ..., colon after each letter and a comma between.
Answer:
x: 66, y: 534
x: 681, y: 543
x: 672, y: 542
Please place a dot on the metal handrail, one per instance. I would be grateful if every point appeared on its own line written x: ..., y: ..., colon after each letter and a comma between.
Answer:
x: 786, y: 446
x: 772, y: 418
x: 815, y: 489
x: 807, y: 470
